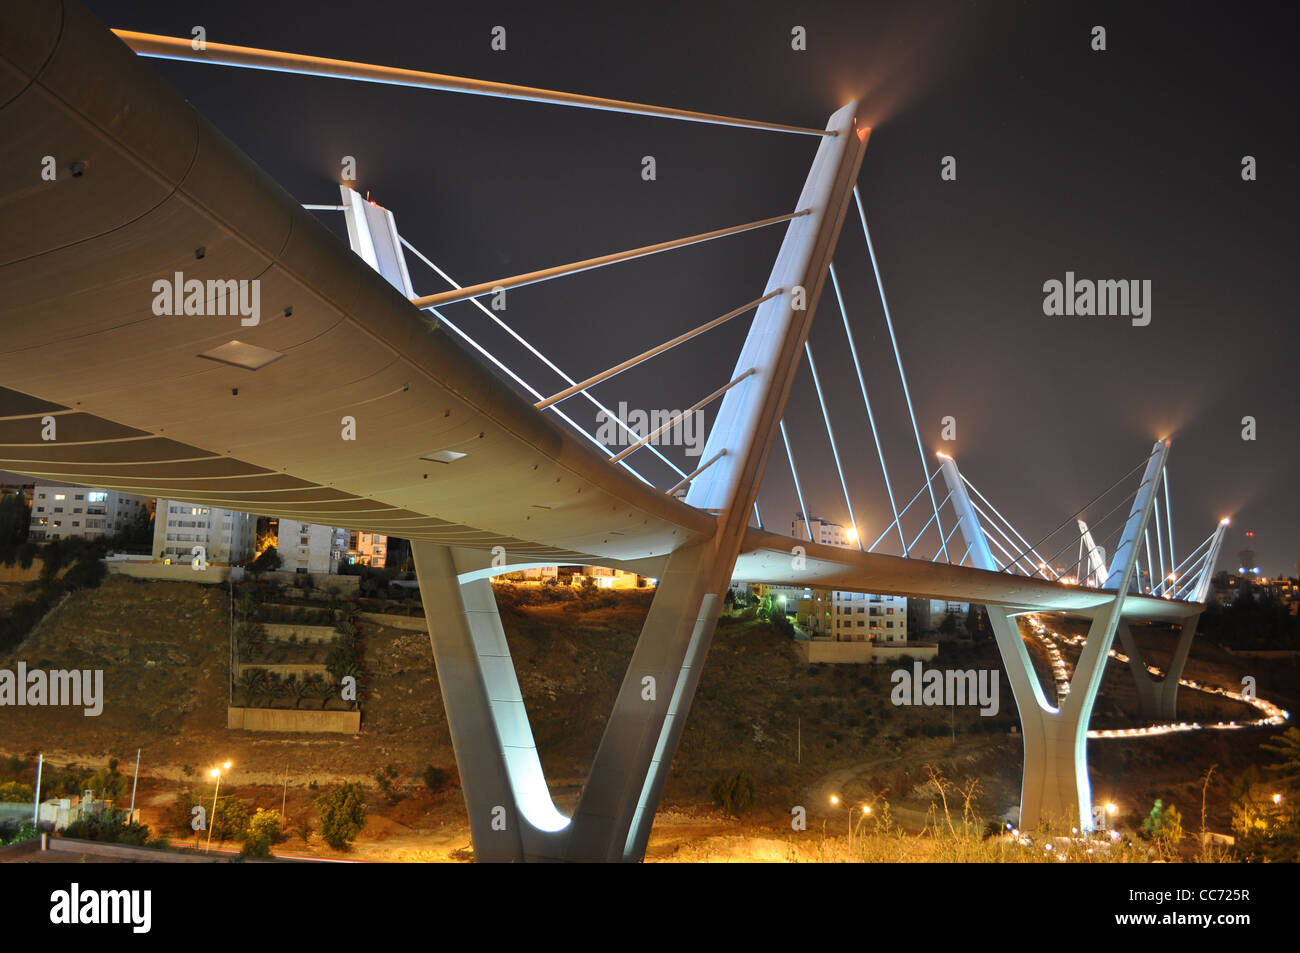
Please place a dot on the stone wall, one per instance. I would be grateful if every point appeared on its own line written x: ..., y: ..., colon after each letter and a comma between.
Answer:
x: 851, y: 652
x: 293, y: 719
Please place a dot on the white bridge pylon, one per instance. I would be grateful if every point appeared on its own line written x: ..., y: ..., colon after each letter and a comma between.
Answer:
x: 1056, y: 789
x: 512, y: 815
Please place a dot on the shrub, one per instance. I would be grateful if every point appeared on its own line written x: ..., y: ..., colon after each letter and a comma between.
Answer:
x: 436, y: 779
x: 268, y: 823
x: 230, y: 821
x: 16, y: 792
x: 342, y: 814
x: 256, y: 844
x: 180, y: 816
x: 111, y: 828
x: 387, y: 779
x: 734, y: 792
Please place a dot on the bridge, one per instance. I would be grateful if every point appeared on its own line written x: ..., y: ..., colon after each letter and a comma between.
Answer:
x: 482, y: 472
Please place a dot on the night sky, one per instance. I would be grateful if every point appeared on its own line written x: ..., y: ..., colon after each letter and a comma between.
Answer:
x: 1123, y: 164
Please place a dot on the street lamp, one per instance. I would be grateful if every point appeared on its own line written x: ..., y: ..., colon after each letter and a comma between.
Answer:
x: 215, y: 773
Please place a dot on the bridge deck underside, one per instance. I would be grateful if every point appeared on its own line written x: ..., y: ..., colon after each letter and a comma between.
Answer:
x: 137, y: 408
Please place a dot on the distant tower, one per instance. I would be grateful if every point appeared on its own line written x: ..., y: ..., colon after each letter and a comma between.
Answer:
x: 1247, y: 559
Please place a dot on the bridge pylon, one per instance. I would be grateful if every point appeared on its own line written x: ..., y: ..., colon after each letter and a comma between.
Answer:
x: 1055, y: 789
x: 512, y: 815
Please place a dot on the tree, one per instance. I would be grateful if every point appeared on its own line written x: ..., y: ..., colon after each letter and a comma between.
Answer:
x: 1163, y: 824
x: 16, y: 792
x: 264, y: 829
x: 1287, y: 747
x: 436, y: 779
x: 267, y: 561
x: 387, y: 779
x: 108, y: 783
x: 15, y: 519
x: 230, y: 822
x: 298, y: 688
x: 948, y: 626
x: 733, y: 792
x: 976, y: 623
x: 342, y: 812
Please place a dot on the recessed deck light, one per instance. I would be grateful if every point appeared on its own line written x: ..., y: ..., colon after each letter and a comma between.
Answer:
x: 444, y: 456
x: 239, y: 354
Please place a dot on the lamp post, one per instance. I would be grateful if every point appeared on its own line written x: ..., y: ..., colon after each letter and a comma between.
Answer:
x: 212, y: 819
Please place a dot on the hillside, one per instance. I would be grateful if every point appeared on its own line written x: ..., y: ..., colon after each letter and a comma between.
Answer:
x: 803, y: 732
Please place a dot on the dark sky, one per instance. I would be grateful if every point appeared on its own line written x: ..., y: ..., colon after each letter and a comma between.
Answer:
x: 1121, y: 164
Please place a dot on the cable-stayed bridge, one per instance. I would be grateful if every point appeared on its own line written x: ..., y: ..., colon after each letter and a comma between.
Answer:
x: 483, y: 472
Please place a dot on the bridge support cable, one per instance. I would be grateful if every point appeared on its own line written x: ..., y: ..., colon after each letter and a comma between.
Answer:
x: 803, y: 511
x: 951, y: 533
x: 1151, y: 582
x: 817, y: 384
x: 698, y: 405
x: 1169, y: 520
x: 1193, y: 579
x: 528, y: 387
x: 698, y: 470
x: 898, y: 358
x: 987, y: 522
x: 1015, y: 568
x: 224, y: 54
x: 871, y: 417
x: 631, y: 362
x: 572, y: 268
x: 373, y: 236
x: 1010, y: 526
x: 934, y: 519
x: 901, y: 513
x: 609, y: 414
x: 1160, y: 548
x: 1081, y: 509
x: 1109, y: 513
x: 1180, y: 571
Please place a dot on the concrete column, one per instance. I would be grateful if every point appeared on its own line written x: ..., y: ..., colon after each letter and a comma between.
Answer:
x: 511, y: 815
x: 1158, y: 700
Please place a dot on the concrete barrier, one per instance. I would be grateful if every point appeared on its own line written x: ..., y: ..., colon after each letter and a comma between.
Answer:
x: 176, y: 572
x: 283, y: 669
x: 412, y: 623
x: 859, y: 652
x: 17, y: 573
x: 280, y: 632
x: 293, y: 719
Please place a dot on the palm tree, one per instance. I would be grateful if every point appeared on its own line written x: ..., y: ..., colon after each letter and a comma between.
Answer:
x: 298, y: 688
x: 323, y: 690
x: 250, y: 684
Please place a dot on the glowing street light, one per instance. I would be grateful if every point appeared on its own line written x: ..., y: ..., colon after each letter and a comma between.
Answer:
x: 1277, y: 799
x: 215, y: 773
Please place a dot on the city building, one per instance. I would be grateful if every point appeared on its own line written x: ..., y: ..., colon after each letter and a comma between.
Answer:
x: 928, y: 615
x: 64, y: 512
x: 309, y: 547
x: 367, y: 549
x: 227, y: 537
x: 842, y: 616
